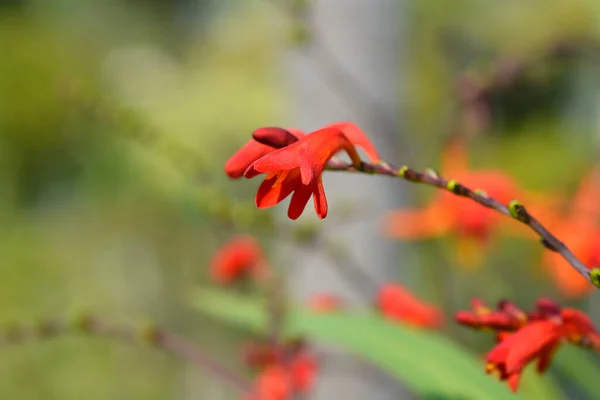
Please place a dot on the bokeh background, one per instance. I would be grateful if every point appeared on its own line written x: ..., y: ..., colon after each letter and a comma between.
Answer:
x: 117, y: 116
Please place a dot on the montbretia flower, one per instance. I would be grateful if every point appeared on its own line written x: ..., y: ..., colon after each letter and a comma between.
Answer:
x: 396, y: 303
x: 577, y: 326
x: 269, y: 140
x: 527, y: 337
x: 536, y: 341
x: 470, y: 223
x: 283, y: 371
x: 273, y: 383
x: 240, y: 257
x: 297, y: 168
x: 579, y: 230
x: 506, y: 317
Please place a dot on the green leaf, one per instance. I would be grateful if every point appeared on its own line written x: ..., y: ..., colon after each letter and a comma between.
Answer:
x: 580, y: 369
x: 429, y: 364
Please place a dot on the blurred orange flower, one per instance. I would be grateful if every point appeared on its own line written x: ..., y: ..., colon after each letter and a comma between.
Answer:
x: 580, y: 232
x: 470, y: 223
x: 396, y: 303
x: 298, y: 167
x: 240, y: 257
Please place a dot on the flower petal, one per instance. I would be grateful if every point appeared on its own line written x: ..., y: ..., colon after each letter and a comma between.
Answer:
x: 267, y: 195
x: 357, y: 137
x: 244, y: 157
x: 320, y: 200
x: 300, y: 197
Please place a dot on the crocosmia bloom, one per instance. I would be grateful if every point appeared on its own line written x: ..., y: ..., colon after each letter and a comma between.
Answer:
x: 269, y: 140
x: 506, y: 317
x: 283, y: 371
x: 238, y: 258
x: 579, y: 230
x: 396, y: 303
x: 273, y: 383
x: 524, y: 338
x: 298, y: 167
x: 470, y: 223
x: 536, y: 341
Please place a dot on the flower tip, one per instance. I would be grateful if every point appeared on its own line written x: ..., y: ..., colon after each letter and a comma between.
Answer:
x: 274, y: 137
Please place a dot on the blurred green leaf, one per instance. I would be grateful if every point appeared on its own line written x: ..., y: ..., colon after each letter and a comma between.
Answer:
x: 426, y: 362
x: 580, y: 369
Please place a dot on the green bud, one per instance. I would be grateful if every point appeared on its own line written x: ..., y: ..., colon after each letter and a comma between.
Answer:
x: 452, y: 185
x: 402, y: 171
x: 480, y: 192
x: 517, y: 211
x: 595, y: 277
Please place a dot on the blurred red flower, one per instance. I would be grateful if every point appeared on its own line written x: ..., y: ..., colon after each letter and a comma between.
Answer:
x: 297, y: 168
x: 283, y: 371
x: 396, y: 303
x: 525, y: 337
x: 240, y: 257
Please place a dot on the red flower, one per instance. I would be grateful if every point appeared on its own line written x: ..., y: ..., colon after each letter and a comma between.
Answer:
x: 303, y: 370
x: 507, y: 317
x: 273, y: 383
x: 397, y: 303
x: 325, y: 303
x: 577, y: 326
x: 537, y: 340
x: 298, y: 167
x: 238, y: 258
x: 534, y: 336
x: 284, y: 371
x: 264, y: 141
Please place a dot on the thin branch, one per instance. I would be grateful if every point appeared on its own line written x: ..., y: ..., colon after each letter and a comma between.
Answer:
x: 149, y: 335
x: 514, y: 210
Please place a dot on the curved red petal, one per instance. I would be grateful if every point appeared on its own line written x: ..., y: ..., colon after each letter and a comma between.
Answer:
x: 357, y: 137
x: 320, y: 200
x: 300, y: 197
x: 267, y: 195
x: 237, y: 164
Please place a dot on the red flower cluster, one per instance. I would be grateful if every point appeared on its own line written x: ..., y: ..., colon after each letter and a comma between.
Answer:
x: 283, y: 371
x: 294, y: 163
x: 523, y: 337
x: 396, y: 303
x: 239, y: 258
